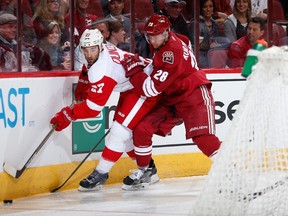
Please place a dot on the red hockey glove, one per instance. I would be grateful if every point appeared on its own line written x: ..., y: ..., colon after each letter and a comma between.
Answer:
x: 82, y: 87
x: 62, y: 119
x: 132, y: 65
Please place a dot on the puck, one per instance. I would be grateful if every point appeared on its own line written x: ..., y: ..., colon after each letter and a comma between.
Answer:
x: 8, y: 201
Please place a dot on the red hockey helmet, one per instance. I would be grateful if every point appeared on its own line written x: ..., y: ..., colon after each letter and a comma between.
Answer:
x: 157, y: 24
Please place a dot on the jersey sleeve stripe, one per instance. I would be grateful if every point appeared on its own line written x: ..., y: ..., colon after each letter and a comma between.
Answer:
x: 149, y: 88
x: 93, y: 106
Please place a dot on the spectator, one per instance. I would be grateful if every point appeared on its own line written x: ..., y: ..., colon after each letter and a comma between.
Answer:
x: 173, y: 10
x: 104, y: 29
x: 46, y: 11
x: 259, y: 7
x: 50, y: 42
x: 116, y: 8
x: 222, y: 10
x: 33, y: 58
x: 8, y: 44
x: 236, y: 24
x: 208, y: 31
x: 28, y: 33
x: 117, y: 35
x: 82, y: 19
x: 238, y: 50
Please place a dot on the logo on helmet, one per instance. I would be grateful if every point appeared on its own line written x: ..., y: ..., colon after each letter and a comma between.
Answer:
x: 157, y: 24
x: 91, y: 37
x: 161, y: 20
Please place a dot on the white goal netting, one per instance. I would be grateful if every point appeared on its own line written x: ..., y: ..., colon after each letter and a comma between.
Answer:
x: 250, y: 173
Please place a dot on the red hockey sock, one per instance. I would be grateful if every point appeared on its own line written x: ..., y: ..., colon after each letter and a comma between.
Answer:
x: 131, y: 154
x: 207, y: 143
x: 111, y: 155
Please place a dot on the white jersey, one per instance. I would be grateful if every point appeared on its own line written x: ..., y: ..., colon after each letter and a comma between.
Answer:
x: 108, y: 64
x: 107, y: 74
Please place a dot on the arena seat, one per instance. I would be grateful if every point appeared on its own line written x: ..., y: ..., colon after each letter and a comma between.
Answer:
x: 95, y: 8
x: 283, y: 41
x: 278, y: 33
x: 278, y: 12
x: 217, y: 58
x: 142, y: 10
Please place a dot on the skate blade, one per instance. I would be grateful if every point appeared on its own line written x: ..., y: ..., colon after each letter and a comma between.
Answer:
x: 154, y: 179
x: 96, y: 188
x: 142, y: 186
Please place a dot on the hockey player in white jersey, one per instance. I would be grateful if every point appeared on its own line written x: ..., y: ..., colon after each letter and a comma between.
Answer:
x: 106, y: 74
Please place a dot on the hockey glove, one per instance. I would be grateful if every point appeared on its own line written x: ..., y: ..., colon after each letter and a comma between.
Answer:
x: 132, y: 65
x: 63, y: 119
x: 82, y: 87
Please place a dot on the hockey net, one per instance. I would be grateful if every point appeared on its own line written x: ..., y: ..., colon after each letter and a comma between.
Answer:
x: 250, y: 173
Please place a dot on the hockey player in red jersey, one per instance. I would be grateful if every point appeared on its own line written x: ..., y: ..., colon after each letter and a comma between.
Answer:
x: 106, y: 74
x: 186, y: 97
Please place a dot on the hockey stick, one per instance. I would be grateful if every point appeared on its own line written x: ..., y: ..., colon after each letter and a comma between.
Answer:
x: 105, y: 20
x: 255, y: 195
x: 75, y: 170
x: 17, y: 173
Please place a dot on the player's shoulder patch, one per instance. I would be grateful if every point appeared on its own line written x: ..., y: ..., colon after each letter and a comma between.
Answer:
x: 168, y: 56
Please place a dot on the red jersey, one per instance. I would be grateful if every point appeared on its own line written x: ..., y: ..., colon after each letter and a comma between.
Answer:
x: 175, y: 72
x: 238, y: 51
x: 81, y: 22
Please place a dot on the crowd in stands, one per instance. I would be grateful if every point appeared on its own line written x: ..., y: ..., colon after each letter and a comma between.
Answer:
x: 46, y: 28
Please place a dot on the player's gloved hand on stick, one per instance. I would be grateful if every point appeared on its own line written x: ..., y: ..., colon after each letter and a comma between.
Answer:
x: 63, y: 118
x: 82, y: 87
x: 132, y: 65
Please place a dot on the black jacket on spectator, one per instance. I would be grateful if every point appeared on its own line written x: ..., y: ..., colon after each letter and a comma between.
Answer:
x: 178, y: 25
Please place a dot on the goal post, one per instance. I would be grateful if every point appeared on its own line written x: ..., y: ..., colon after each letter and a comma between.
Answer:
x: 250, y: 173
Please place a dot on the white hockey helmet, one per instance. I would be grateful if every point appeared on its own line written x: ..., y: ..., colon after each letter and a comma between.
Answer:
x: 91, y: 37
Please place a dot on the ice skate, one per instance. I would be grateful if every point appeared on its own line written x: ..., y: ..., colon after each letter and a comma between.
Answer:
x: 139, y: 179
x: 93, y: 182
x: 154, y: 178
